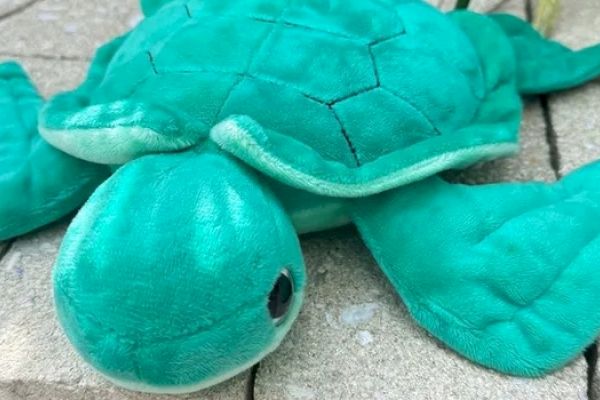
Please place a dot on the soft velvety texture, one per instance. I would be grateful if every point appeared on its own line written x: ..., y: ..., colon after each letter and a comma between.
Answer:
x: 545, y: 66
x: 359, y: 83
x: 149, y: 7
x: 163, y: 278
x: 505, y: 274
x: 38, y: 183
x: 311, y: 72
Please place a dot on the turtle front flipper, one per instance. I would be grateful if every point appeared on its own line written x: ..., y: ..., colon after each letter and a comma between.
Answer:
x: 506, y: 274
x: 543, y: 65
x: 127, y: 107
x: 38, y: 183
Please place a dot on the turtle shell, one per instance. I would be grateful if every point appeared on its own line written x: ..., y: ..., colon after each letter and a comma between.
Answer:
x: 342, y: 98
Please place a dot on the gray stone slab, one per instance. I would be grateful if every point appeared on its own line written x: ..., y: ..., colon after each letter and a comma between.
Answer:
x: 53, y: 76
x: 12, y: 7
x: 66, y: 28
x: 575, y: 113
x: 532, y: 162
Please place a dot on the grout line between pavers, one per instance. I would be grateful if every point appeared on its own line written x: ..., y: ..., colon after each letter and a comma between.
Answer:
x: 496, y: 7
x: 529, y: 10
x: 5, y: 248
x: 551, y: 137
x: 45, y: 57
x: 591, y: 353
x: 591, y: 357
x: 251, y: 383
x: 18, y: 10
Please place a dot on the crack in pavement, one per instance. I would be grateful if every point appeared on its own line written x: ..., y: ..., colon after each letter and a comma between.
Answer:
x: 5, y: 248
x: 591, y: 356
x: 551, y: 137
x: 45, y: 57
x: 591, y: 353
x: 251, y: 383
x: 18, y: 10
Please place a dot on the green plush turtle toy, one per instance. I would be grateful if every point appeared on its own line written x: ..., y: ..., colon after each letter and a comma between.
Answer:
x: 230, y: 127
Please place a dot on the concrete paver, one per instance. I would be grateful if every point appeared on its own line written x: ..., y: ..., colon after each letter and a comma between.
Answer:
x: 575, y: 114
x: 354, y: 338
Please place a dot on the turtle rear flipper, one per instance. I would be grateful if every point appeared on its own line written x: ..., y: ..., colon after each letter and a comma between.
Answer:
x: 505, y: 274
x: 543, y: 65
x: 38, y: 184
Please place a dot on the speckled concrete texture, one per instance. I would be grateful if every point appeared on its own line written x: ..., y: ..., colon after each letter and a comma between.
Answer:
x: 354, y: 339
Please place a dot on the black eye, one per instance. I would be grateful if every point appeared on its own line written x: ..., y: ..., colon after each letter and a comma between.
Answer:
x: 281, y: 296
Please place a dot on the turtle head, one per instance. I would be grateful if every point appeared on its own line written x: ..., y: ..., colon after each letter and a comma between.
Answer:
x: 180, y: 272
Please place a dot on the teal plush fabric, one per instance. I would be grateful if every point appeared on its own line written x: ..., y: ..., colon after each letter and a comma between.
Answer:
x: 164, y: 277
x: 324, y: 63
x: 546, y: 66
x: 505, y: 274
x: 243, y: 123
x: 38, y: 183
x: 149, y: 7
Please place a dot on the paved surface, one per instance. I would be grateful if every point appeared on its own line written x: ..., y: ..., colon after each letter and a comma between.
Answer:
x: 575, y: 117
x: 354, y: 338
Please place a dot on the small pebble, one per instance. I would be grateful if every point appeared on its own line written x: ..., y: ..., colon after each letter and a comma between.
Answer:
x: 364, y: 338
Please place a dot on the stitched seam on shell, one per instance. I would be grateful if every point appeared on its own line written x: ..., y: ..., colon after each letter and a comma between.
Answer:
x: 415, y: 108
x: 305, y: 27
x: 346, y: 136
x: 255, y: 54
x: 152, y: 63
x: 280, y: 21
x: 287, y: 86
x: 186, y: 6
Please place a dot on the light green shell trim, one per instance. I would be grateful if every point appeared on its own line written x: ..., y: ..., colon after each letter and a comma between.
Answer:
x: 300, y: 166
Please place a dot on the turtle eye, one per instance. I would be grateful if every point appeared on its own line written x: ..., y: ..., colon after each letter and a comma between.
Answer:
x: 281, y: 296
